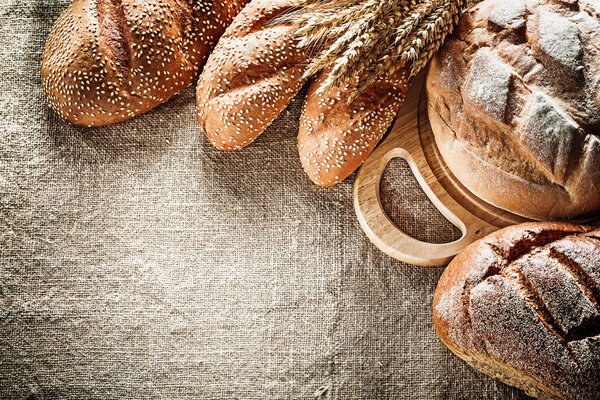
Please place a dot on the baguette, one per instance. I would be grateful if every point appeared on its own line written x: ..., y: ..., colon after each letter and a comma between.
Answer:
x: 255, y: 71
x: 251, y: 76
x: 335, y: 137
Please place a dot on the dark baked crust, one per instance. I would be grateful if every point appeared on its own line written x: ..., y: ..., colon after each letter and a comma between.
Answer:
x: 523, y: 304
x: 106, y: 61
x: 516, y: 94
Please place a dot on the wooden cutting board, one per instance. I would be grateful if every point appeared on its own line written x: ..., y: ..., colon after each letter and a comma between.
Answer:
x: 411, y: 138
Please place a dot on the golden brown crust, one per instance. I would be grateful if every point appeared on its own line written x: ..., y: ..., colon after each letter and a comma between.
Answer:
x: 523, y: 304
x: 515, y: 94
x: 256, y: 70
x: 336, y: 137
x: 106, y: 61
x: 251, y: 76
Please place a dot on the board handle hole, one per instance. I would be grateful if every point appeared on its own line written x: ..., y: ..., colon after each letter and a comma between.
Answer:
x: 409, y: 208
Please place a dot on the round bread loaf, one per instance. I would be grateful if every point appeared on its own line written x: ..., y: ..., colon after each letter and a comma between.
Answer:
x: 522, y: 305
x: 514, y: 102
x: 109, y: 60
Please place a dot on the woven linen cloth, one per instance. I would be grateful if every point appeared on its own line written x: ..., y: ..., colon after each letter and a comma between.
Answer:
x: 138, y: 262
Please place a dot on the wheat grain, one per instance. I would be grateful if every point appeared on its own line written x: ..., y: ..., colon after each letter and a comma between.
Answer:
x: 366, y: 40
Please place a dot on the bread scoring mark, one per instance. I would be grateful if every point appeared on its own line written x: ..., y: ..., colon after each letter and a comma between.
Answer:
x: 465, y: 300
x: 468, y: 286
x: 497, y: 267
x: 583, y: 279
x: 516, y: 101
x: 114, y: 34
x: 183, y: 11
x: 184, y: 17
x: 534, y: 243
x: 594, y: 235
x: 590, y: 327
x: 535, y: 240
x: 533, y: 298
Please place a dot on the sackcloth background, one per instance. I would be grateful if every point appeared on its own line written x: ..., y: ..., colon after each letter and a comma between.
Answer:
x: 138, y: 262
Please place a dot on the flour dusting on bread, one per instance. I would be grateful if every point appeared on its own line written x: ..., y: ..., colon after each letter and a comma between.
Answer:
x: 531, y: 313
x: 518, y: 91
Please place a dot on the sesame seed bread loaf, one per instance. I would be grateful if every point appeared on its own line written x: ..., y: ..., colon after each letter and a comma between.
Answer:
x: 106, y: 61
x: 514, y: 100
x: 255, y: 71
x: 251, y: 76
x: 522, y: 305
x: 336, y: 137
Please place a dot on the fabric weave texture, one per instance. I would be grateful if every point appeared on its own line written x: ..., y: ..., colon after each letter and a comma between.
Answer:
x: 138, y: 262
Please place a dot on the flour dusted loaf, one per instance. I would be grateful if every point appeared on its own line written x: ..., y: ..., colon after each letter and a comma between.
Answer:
x: 255, y: 71
x: 522, y: 305
x: 109, y: 60
x: 514, y: 100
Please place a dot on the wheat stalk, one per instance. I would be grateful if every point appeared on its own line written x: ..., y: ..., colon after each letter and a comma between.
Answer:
x: 368, y: 40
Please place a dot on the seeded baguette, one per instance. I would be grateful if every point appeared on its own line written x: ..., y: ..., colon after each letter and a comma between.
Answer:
x: 336, y: 137
x: 522, y: 305
x: 251, y: 76
x: 106, y: 61
x: 255, y: 71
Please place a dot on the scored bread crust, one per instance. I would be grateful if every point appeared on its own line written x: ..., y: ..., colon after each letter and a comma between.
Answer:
x: 514, y: 102
x: 106, y: 61
x: 522, y: 305
x: 335, y: 137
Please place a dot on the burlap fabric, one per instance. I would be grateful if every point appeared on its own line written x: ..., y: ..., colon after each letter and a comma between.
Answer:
x: 137, y: 261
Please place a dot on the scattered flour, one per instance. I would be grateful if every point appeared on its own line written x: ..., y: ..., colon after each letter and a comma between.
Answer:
x: 488, y: 83
x: 559, y: 40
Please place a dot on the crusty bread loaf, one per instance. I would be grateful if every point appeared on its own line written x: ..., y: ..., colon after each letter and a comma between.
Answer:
x: 255, y: 71
x: 514, y: 100
x: 109, y: 60
x: 523, y: 306
x: 335, y: 137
